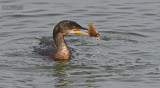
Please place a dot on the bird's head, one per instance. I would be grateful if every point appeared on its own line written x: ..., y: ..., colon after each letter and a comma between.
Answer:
x: 67, y: 26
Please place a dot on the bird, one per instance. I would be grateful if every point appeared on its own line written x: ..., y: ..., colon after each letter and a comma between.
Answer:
x: 59, y: 50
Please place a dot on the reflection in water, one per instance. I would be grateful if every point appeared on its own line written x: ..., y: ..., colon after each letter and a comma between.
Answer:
x: 69, y: 75
x: 60, y: 72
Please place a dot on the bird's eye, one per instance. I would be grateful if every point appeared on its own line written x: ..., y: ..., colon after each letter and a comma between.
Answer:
x: 74, y: 27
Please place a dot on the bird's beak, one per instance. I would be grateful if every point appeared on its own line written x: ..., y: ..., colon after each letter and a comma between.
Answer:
x: 78, y: 31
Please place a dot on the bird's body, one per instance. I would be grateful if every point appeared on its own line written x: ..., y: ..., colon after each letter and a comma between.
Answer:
x: 58, y: 50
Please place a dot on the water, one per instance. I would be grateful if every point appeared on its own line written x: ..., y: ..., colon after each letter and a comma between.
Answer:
x: 127, y: 56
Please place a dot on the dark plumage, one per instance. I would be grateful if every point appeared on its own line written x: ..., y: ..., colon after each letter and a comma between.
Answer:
x: 58, y: 50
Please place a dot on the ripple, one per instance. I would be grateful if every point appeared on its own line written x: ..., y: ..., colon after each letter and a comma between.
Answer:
x: 36, y: 15
x: 125, y: 33
x: 105, y: 38
x: 37, y: 10
x: 96, y: 14
x: 126, y: 8
x: 80, y: 10
x: 150, y: 14
x: 40, y: 2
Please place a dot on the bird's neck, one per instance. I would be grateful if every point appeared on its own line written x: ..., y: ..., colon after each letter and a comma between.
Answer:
x: 62, y: 49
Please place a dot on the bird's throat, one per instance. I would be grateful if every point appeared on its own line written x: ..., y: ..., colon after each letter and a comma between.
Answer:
x: 62, y: 52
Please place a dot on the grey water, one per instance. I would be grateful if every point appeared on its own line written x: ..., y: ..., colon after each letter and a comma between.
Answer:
x: 127, y: 56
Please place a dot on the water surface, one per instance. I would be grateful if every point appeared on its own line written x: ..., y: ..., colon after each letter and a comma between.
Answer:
x: 127, y: 56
